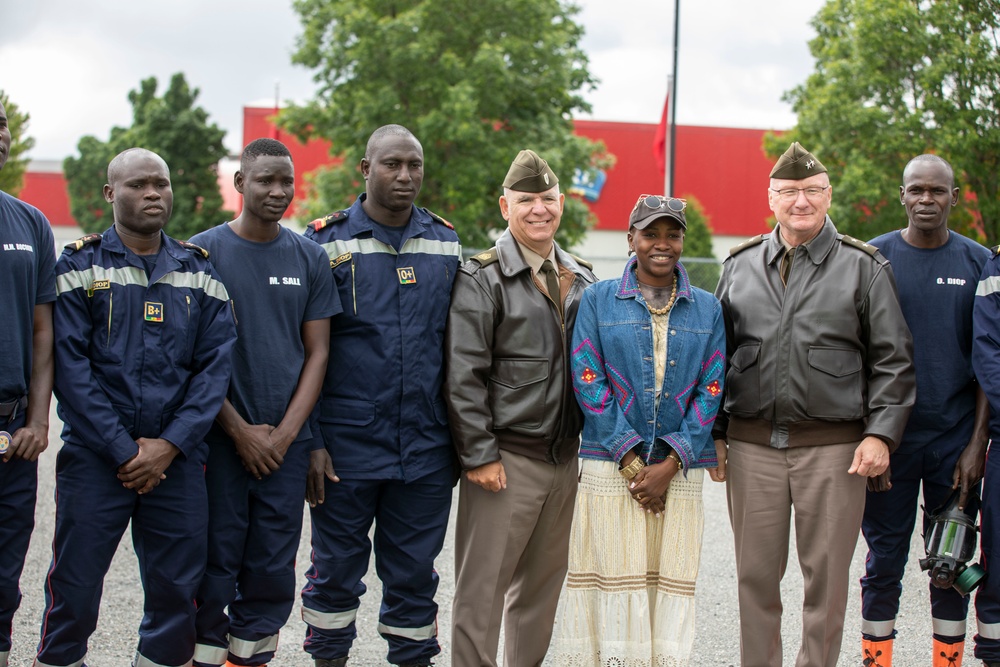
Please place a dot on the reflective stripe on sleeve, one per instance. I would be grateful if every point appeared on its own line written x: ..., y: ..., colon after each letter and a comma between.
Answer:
x: 246, y: 648
x: 988, y: 630
x: 877, y: 628
x: 946, y: 628
x: 328, y: 620
x: 988, y: 285
x: 210, y: 655
x: 143, y: 661
x: 416, y: 634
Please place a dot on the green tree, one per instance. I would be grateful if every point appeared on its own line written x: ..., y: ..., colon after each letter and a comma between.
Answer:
x: 474, y: 80
x: 181, y: 134
x: 893, y: 79
x: 12, y: 175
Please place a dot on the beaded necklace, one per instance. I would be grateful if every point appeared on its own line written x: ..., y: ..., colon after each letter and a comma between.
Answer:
x: 670, y: 303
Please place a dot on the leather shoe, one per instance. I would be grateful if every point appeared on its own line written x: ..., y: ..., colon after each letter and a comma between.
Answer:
x: 335, y: 662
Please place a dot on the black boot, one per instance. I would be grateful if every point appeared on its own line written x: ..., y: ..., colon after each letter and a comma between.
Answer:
x: 336, y: 662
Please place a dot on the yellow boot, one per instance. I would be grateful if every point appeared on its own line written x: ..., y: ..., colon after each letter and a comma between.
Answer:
x: 948, y: 655
x: 877, y: 653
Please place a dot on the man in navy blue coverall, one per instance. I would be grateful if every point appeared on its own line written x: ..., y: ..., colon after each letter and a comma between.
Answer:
x: 986, y: 362
x: 381, y: 412
x: 144, y: 333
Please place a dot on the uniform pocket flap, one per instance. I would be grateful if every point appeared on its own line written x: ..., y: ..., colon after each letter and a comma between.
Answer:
x: 745, y: 356
x: 350, y: 411
x: 834, y: 361
x: 515, y: 373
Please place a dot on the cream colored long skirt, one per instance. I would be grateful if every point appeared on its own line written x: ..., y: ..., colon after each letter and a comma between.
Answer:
x: 629, y: 595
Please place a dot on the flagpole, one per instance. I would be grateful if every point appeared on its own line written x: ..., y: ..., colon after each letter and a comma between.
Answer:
x: 277, y: 108
x: 673, y: 103
x: 665, y: 120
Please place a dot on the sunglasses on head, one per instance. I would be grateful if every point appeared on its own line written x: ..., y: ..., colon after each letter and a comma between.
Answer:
x: 656, y: 202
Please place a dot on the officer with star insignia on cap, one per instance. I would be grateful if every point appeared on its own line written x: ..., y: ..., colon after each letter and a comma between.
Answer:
x: 515, y: 422
x: 818, y: 389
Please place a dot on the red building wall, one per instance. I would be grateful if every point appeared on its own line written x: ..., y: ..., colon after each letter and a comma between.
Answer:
x: 46, y: 191
x: 725, y: 168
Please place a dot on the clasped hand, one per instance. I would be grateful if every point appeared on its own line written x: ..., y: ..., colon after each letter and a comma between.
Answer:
x: 261, y: 448
x: 649, y: 486
x: 144, y: 471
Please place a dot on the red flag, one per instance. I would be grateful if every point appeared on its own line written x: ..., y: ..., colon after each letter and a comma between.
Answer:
x: 660, y: 139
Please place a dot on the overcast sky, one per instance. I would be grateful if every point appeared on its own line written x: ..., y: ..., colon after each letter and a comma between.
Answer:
x: 71, y: 63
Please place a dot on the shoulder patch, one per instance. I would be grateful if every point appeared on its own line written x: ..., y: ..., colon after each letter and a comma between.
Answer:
x: 995, y: 250
x: 582, y: 262
x: 438, y: 218
x: 860, y: 245
x: 82, y: 241
x: 749, y: 243
x: 320, y: 223
x: 340, y: 259
x: 487, y: 257
x: 194, y: 248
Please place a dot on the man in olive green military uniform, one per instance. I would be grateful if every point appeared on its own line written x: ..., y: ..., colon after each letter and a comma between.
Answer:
x: 818, y: 389
x: 515, y: 423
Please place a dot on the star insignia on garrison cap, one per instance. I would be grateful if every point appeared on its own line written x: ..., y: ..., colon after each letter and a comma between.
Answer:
x: 810, y: 163
x: 588, y: 375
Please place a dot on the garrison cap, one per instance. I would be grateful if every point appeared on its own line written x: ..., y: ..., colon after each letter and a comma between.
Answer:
x: 797, y: 163
x: 529, y: 173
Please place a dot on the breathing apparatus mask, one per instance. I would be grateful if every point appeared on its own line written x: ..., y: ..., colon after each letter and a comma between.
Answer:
x: 950, y: 543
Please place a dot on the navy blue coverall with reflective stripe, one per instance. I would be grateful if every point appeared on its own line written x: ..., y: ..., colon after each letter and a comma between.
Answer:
x: 385, y: 426
x: 986, y: 362
x: 135, y: 357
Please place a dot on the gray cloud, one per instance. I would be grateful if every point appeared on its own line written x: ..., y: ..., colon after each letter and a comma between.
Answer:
x: 71, y: 63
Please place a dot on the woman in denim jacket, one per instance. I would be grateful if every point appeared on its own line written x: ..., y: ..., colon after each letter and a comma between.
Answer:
x: 648, y: 366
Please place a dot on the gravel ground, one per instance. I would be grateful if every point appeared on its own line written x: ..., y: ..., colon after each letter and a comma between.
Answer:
x: 717, y: 643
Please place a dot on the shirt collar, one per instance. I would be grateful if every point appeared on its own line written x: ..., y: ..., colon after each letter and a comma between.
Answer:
x: 535, y: 260
x: 816, y: 248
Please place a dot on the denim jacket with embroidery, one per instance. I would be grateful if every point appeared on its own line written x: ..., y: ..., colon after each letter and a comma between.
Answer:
x: 614, y: 373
